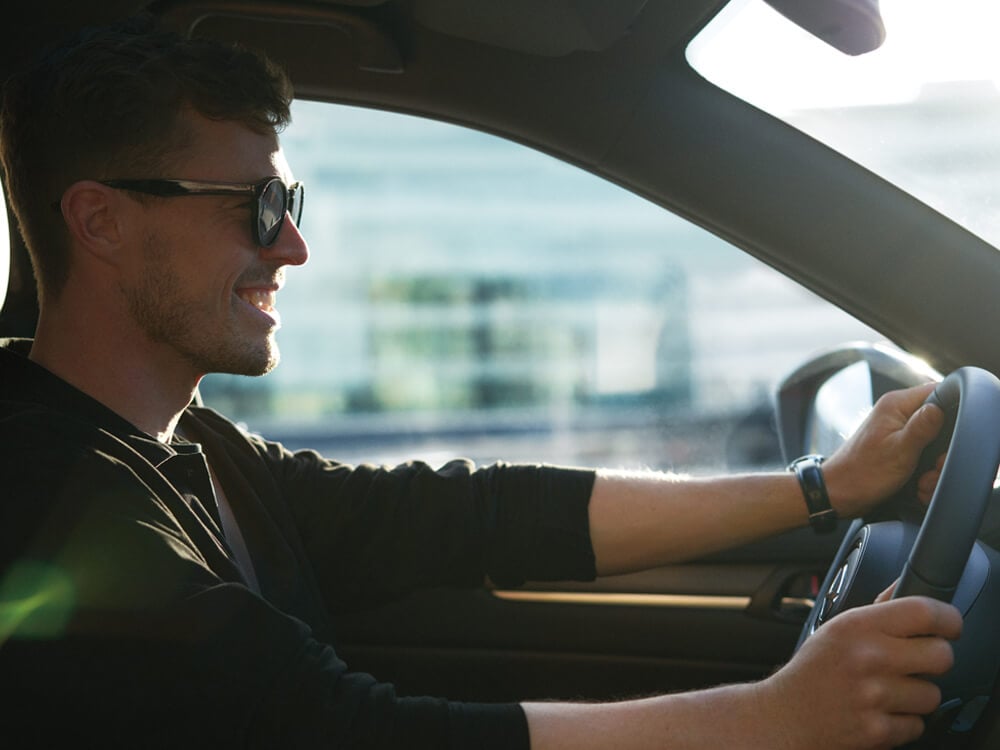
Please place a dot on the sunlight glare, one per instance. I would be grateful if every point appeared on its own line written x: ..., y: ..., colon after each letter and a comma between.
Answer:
x: 783, y: 68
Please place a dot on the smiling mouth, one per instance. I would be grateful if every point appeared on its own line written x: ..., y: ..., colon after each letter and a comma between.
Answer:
x: 262, y: 299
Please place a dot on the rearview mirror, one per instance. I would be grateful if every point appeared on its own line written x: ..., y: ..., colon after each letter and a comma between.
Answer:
x: 852, y: 26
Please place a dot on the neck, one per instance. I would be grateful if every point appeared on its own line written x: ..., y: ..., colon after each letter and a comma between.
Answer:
x: 144, y: 382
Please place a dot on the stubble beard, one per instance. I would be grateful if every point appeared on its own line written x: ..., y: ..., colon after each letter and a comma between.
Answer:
x: 166, y: 315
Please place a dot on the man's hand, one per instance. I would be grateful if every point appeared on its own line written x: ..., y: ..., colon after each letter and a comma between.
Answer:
x: 855, y: 683
x: 882, y: 455
x: 852, y: 686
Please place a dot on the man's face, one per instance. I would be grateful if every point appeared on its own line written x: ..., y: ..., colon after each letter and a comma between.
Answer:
x: 200, y: 286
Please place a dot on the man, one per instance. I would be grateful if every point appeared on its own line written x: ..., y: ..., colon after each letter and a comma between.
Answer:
x: 166, y: 579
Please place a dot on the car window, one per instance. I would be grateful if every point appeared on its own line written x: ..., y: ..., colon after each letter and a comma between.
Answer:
x: 922, y: 110
x: 468, y: 296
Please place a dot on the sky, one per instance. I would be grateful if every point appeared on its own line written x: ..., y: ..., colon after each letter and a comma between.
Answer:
x: 759, y: 55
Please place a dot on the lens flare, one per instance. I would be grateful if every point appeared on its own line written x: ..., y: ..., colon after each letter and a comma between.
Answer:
x: 36, y: 601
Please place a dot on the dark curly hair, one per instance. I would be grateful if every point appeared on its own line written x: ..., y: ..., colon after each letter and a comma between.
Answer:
x: 106, y: 105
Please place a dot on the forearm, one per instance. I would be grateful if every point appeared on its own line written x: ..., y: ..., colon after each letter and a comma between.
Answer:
x: 720, y: 717
x: 832, y: 696
x: 640, y: 520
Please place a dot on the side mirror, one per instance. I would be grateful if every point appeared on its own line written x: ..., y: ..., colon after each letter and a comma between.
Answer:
x: 823, y: 401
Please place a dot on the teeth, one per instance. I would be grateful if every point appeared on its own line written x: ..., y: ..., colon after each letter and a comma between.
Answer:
x: 259, y: 298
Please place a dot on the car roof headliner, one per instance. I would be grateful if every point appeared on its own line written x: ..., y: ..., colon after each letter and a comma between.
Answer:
x: 614, y: 95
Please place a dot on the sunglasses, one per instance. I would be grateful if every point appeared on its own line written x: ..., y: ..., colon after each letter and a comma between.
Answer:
x: 273, y: 199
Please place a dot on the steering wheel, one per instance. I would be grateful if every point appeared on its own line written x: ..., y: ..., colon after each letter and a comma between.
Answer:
x: 942, y: 558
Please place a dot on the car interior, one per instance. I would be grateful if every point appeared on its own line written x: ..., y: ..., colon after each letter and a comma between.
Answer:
x: 614, y: 92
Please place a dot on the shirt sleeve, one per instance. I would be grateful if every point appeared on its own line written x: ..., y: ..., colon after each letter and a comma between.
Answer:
x: 375, y: 533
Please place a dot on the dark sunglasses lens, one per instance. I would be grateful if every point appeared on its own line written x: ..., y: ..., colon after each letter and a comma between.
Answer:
x: 271, y: 209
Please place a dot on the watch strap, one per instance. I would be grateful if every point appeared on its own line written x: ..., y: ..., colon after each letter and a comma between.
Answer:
x: 807, y: 469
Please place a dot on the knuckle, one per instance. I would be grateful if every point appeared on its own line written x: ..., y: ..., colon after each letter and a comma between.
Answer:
x: 876, y: 729
x: 922, y: 606
x: 873, y: 693
x: 888, y: 398
x: 856, y: 655
x: 871, y: 658
x: 885, y: 730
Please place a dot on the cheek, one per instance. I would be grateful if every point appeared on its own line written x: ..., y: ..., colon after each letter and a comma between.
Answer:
x: 215, y: 281
x: 196, y: 279
x: 205, y: 252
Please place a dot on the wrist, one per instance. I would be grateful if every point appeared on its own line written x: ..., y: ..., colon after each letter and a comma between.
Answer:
x: 843, y: 489
x: 808, y: 471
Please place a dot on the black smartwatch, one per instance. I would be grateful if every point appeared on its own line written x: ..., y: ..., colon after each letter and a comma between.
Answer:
x: 822, y: 516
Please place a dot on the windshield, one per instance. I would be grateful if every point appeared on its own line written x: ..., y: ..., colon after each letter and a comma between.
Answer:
x: 922, y: 111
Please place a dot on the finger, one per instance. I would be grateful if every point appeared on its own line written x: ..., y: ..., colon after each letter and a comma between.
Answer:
x: 927, y: 484
x: 921, y: 655
x: 887, y: 594
x: 902, y: 729
x: 923, y: 426
x: 912, y: 695
x: 912, y: 616
x: 898, y: 657
x: 906, y: 401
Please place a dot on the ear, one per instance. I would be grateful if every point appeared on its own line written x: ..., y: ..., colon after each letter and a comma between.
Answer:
x: 93, y: 215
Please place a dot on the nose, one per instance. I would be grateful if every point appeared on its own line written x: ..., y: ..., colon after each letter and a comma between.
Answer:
x: 290, y: 248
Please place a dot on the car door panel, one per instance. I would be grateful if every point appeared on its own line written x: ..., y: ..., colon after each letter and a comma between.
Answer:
x: 729, y: 617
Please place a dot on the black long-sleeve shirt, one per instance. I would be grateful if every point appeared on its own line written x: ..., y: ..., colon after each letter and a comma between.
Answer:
x: 126, y: 618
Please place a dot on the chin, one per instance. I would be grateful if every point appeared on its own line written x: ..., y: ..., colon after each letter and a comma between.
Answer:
x: 249, y: 359
x: 262, y: 362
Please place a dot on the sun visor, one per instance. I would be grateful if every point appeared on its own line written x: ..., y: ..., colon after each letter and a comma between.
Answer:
x: 341, y: 31
x: 549, y: 28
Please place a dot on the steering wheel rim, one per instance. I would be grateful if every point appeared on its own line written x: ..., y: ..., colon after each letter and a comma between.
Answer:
x: 951, y: 525
x: 936, y: 561
x: 941, y: 558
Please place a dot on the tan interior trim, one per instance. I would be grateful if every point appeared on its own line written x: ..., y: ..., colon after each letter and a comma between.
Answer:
x: 609, y: 599
x: 625, y: 600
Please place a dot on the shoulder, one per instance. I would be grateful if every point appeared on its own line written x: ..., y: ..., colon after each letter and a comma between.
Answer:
x: 249, y: 449
x: 61, y: 473
x: 52, y: 464
x: 210, y: 421
x: 37, y: 438
x: 77, y: 500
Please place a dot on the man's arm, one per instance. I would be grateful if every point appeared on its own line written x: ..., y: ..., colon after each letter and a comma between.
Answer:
x: 853, y: 685
x: 641, y: 520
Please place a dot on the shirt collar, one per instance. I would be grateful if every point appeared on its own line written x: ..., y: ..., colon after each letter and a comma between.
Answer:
x: 25, y: 381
